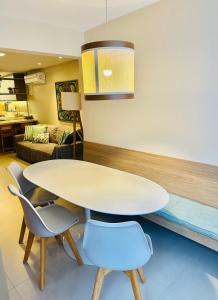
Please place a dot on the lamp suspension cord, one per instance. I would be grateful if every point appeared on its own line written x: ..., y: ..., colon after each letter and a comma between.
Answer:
x: 106, y: 11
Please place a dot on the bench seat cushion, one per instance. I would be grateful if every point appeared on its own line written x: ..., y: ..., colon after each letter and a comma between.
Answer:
x: 193, y: 215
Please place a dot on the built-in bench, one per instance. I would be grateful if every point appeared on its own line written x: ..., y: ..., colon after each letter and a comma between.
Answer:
x: 192, y: 219
x: 193, y: 214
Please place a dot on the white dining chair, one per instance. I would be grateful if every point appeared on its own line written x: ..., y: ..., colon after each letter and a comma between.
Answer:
x: 37, y: 195
x: 45, y: 222
x: 117, y: 246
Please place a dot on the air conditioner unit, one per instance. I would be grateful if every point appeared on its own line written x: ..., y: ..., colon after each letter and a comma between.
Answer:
x: 35, y: 78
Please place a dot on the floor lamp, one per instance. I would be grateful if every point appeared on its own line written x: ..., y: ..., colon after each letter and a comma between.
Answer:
x: 71, y: 101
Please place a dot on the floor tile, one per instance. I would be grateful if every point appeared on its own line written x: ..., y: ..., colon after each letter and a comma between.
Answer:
x: 9, y: 284
x: 180, y: 269
x: 13, y: 295
x: 192, y: 285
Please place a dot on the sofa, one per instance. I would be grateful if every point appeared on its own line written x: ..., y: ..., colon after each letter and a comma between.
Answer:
x: 36, y: 152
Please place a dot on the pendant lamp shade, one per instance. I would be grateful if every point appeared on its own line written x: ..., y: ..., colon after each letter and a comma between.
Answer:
x: 108, y: 70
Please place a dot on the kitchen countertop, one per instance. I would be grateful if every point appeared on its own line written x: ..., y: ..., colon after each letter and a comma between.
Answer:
x: 17, y: 121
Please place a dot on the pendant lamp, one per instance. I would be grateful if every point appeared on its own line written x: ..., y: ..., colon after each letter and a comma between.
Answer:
x: 108, y: 69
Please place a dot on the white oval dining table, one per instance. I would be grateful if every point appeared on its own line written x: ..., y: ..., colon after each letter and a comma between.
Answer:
x: 98, y: 188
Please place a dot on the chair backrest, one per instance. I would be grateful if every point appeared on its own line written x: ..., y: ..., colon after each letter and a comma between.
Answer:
x: 32, y: 219
x: 16, y: 172
x: 116, y: 246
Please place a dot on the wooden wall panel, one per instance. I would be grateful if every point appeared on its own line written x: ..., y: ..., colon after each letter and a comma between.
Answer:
x: 185, y: 178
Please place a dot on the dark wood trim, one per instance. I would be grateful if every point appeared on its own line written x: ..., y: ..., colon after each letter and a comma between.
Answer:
x: 111, y: 43
x: 188, y: 179
x: 109, y: 97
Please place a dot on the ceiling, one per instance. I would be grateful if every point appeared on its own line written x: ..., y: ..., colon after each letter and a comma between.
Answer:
x: 80, y: 15
x: 22, y: 61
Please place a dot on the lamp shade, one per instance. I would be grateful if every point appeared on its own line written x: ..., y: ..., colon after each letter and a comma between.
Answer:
x: 70, y: 101
x: 108, y: 70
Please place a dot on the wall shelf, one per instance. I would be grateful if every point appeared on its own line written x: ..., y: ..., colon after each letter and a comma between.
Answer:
x: 8, y: 94
x: 16, y: 85
x: 5, y: 78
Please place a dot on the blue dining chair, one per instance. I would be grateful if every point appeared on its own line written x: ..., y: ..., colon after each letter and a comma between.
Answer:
x: 117, y: 246
x: 45, y: 222
x: 35, y: 194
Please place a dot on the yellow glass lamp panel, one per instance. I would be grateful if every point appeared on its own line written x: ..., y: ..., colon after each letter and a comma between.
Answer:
x: 88, y: 67
x: 116, y: 70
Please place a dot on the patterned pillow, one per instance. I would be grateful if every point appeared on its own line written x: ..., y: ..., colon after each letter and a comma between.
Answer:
x: 67, y: 132
x: 59, y: 136
x: 28, y: 134
x: 31, y: 130
x: 62, y: 134
x: 41, y: 138
x: 52, y: 130
x: 39, y: 129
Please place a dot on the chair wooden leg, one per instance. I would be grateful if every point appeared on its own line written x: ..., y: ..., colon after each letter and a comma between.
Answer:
x: 141, y: 274
x: 101, y: 273
x: 28, y: 247
x: 135, y: 285
x: 42, y: 262
x: 22, y: 232
x: 73, y: 246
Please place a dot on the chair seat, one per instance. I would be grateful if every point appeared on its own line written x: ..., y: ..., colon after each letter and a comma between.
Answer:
x: 57, y: 218
x: 38, y: 196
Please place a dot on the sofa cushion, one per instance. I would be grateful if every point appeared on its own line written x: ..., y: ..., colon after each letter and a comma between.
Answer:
x: 28, y: 134
x: 41, y: 138
x: 52, y: 130
x: 46, y: 148
x: 31, y: 130
x: 193, y: 215
x: 62, y: 134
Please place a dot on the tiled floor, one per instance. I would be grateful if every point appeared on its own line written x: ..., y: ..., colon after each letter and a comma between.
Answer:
x: 179, y: 270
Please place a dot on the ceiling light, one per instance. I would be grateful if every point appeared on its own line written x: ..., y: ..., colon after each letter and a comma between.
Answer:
x: 108, y: 69
x: 39, y: 63
x: 107, y: 73
x: 60, y: 57
x: 2, y: 54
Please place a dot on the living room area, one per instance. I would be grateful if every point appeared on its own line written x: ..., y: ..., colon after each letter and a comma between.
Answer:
x: 39, y: 80
x: 108, y: 150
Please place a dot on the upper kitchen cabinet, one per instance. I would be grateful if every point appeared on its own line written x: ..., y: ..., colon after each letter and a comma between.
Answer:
x: 12, y: 87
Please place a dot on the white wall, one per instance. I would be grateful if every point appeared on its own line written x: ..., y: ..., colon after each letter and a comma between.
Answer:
x: 175, y: 109
x: 38, y: 37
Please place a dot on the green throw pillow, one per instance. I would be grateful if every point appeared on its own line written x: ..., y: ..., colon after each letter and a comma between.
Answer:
x: 62, y: 135
x: 41, y: 138
x: 28, y: 133
x: 39, y: 129
x: 31, y: 130
x: 66, y: 133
